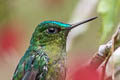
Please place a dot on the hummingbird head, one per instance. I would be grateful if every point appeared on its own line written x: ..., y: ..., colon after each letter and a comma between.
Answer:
x: 50, y: 32
x: 52, y: 35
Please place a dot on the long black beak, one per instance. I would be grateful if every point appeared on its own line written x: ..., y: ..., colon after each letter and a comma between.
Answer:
x: 77, y: 24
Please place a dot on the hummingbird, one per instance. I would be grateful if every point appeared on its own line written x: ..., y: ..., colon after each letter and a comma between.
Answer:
x: 45, y: 58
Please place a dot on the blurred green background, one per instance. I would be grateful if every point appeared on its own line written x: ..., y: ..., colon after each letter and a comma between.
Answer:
x: 18, y: 19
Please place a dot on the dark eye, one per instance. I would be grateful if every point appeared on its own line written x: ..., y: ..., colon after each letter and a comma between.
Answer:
x: 52, y: 30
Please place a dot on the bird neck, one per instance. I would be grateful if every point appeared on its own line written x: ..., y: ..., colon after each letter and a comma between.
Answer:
x: 54, y: 51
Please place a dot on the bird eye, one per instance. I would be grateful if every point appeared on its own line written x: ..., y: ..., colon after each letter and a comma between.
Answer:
x: 52, y: 30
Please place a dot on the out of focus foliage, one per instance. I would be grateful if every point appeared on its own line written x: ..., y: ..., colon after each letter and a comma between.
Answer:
x: 4, y: 10
x: 109, y: 11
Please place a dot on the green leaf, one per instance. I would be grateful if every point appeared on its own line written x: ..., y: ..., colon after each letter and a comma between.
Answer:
x: 108, y: 10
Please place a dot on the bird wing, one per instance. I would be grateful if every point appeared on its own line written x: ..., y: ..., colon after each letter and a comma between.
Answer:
x: 32, y: 67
